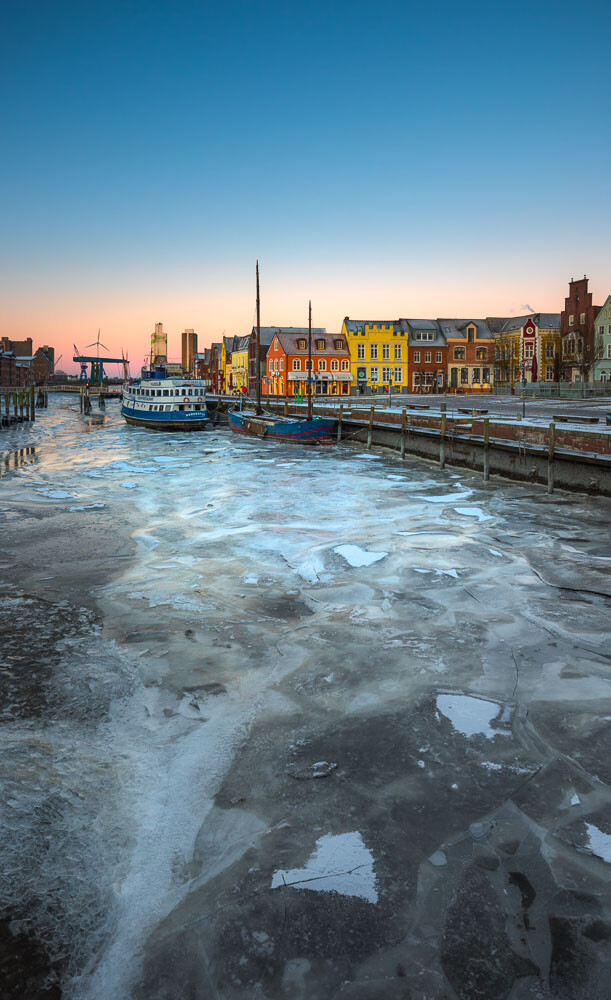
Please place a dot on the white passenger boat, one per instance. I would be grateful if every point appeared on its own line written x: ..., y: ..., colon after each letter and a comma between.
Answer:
x: 165, y: 404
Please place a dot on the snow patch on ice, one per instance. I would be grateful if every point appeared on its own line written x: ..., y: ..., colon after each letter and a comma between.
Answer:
x: 88, y: 506
x: 250, y: 578
x: 495, y: 552
x: 356, y: 556
x: 575, y: 800
x: 470, y: 716
x: 340, y: 863
x: 447, y: 498
x: 599, y: 842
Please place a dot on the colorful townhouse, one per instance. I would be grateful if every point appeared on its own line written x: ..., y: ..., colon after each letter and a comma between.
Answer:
x: 427, y: 355
x: 602, y: 344
x: 526, y: 347
x: 378, y: 354
x: 470, y: 354
x: 577, y: 321
x: 287, y: 363
x: 239, y: 364
x: 267, y: 335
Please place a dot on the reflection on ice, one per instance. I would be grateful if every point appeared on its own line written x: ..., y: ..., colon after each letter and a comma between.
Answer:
x: 340, y: 863
x: 471, y: 716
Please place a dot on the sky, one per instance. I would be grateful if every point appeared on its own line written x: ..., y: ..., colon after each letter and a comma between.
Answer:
x: 383, y: 160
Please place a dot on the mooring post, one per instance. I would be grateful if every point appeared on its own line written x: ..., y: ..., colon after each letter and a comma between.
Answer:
x: 7, y: 403
x: 403, y: 422
x: 81, y: 399
x: 486, y: 446
x: 370, y: 428
x: 286, y: 407
x: 550, y: 457
x: 442, y: 442
x: 32, y: 403
x: 339, y: 422
x: 46, y: 395
x: 15, y: 407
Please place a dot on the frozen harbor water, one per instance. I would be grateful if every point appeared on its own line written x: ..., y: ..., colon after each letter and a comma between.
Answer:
x: 238, y: 671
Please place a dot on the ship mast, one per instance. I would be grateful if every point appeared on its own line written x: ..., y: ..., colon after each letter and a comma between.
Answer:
x: 259, y: 410
x: 309, y: 374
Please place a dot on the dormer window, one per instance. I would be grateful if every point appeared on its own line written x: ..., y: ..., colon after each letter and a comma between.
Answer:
x: 320, y: 344
x: 301, y: 344
x: 339, y: 345
x: 470, y: 334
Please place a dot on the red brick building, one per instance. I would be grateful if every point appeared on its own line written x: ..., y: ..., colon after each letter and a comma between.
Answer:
x: 577, y: 332
x: 427, y: 356
x: 286, y: 370
x: 470, y: 354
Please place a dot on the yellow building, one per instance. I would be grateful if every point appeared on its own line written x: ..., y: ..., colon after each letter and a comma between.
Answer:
x: 239, y: 364
x: 378, y: 355
x: 526, y: 346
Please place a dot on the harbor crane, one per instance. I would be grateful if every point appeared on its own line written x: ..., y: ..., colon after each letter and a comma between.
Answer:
x: 97, y: 363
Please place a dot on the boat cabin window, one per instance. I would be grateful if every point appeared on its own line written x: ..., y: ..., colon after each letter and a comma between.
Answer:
x: 165, y: 392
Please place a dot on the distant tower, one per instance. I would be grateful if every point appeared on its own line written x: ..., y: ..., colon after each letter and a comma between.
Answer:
x: 189, y: 348
x: 159, y: 346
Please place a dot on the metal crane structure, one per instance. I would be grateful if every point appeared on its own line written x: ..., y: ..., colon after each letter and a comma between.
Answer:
x: 97, y: 363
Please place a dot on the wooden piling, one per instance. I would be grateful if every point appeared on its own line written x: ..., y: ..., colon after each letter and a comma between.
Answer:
x: 403, y: 423
x: 370, y: 428
x: 442, y: 442
x: 550, y: 457
x: 286, y: 408
x: 339, y: 422
x: 486, y: 447
x: 32, y: 404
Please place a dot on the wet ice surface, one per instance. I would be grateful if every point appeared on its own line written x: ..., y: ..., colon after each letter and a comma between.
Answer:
x: 268, y: 703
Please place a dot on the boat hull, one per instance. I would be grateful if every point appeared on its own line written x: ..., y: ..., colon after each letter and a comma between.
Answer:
x: 318, y: 431
x: 176, y: 421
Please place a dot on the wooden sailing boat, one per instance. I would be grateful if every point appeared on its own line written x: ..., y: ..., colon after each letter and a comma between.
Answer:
x: 313, y: 430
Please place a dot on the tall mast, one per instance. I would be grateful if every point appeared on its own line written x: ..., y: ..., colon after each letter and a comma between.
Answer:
x: 310, y: 361
x: 259, y: 410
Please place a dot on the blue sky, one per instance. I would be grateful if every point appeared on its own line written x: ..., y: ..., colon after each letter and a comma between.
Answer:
x: 384, y: 160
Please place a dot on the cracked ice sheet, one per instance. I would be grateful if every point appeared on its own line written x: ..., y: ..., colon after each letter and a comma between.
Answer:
x: 340, y: 863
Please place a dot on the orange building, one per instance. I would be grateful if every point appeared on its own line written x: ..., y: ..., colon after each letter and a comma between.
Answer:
x: 286, y: 370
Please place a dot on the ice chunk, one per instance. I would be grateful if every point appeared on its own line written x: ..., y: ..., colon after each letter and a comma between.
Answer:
x: 341, y: 863
x: 473, y: 512
x: 470, y: 716
x: 356, y: 556
x: 495, y: 552
x: 54, y: 494
x: 438, y: 859
x: 447, y: 498
x: 88, y: 506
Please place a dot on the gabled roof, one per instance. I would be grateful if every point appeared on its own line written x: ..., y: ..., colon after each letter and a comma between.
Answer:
x: 288, y: 342
x: 457, y: 328
x: 269, y: 332
x: 503, y: 324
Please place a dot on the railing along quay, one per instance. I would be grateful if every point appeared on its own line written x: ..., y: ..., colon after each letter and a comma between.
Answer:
x: 572, y: 458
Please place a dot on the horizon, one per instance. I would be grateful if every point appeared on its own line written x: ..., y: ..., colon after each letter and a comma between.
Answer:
x: 418, y: 163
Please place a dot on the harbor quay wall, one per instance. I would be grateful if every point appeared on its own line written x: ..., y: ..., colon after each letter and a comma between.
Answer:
x: 563, y: 458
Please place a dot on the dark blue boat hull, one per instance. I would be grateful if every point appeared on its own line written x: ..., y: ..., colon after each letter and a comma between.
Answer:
x: 317, y: 431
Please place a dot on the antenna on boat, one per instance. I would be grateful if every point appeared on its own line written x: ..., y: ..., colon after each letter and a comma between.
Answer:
x: 310, y: 361
x: 259, y: 410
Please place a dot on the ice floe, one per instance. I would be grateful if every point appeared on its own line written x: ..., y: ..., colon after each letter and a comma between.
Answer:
x: 54, y: 494
x: 340, y: 863
x: 473, y: 512
x: 446, y: 498
x: 88, y: 506
x: 599, y: 842
x: 356, y: 556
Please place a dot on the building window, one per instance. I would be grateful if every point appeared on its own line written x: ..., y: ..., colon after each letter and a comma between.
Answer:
x: 481, y: 354
x: 470, y: 334
x: 427, y: 357
x: 308, y: 366
x: 476, y: 375
x: 334, y: 365
x: 374, y: 352
x: 360, y: 352
x: 398, y: 376
x: 459, y: 354
x: 416, y: 357
x: 301, y: 344
x: 571, y: 320
x: 549, y: 352
x: 608, y: 351
x: 582, y: 319
x: 296, y: 365
x: 486, y: 375
x: 281, y: 364
x: 385, y: 352
x: 339, y: 345
x: 320, y: 344
x: 549, y: 373
x: 345, y: 365
x: 322, y: 365
x: 270, y: 365
x: 373, y: 374
x: 464, y: 376
x: 528, y: 350
x: 398, y: 349
x: 385, y: 375
x: 438, y: 357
